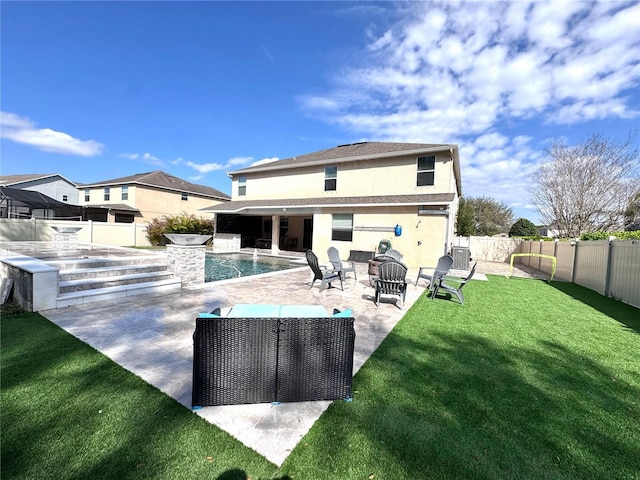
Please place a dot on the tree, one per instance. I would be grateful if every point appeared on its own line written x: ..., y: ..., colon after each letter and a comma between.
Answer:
x: 523, y: 228
x: 490, y: 216
x: 585, y: 188
x: 465, y: 226
x: 632, y: 212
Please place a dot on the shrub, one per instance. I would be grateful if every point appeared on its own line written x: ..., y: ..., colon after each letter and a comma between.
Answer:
x: 605, y: 235
x: 183, y: 223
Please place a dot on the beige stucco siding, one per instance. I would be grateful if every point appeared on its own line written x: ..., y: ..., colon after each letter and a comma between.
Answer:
x: 151, y: 202
x: 430, y: 231
x: 396, y: 176
x: 154, y: 203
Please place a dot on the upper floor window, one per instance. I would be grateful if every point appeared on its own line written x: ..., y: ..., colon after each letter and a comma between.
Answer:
x: 107, y: 193
x: 64, y: 198
x: 125, y: 192
x: 242, y: 185
x: 342, y: 227
x: 330, y: 178
x: 426, y: 170
x: 87, y: 192
x: 184, y: 196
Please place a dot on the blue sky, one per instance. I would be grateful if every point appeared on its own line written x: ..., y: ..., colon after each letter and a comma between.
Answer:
x: 99, y: 90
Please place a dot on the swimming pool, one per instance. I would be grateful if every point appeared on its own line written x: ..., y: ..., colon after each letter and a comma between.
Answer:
x: 223, y: 266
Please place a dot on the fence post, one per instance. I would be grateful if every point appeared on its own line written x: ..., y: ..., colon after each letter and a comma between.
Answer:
x: 607, y: 280
x: 575, y: 261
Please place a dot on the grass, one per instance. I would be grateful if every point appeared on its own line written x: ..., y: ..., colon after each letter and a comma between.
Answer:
x: 527, y: 380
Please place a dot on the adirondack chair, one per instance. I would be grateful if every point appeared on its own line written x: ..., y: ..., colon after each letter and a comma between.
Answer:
x: 391, y: 280
x: 325, y: 276
x: 445, y: 284
x: 441, y: 269
x: 342, y: 266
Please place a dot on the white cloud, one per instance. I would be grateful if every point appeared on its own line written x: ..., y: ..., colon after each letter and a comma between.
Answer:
x: 230, y: 164
x: 152, y: 159
x: 265, y: 160
x: 205, y: 167
x: 461, y: 67
x: 129, y: 156
x: 23, y: 130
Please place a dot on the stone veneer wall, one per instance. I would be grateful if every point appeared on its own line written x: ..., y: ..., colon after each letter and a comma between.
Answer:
x: 226, y: 242
x: 65, y: 241
x: 187, y: 262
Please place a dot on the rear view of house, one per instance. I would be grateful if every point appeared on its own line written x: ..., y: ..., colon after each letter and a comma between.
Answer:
x: 356, y: 197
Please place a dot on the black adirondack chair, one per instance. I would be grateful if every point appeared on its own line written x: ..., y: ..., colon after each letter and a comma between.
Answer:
x: 325, y: 276
x: 391, y: 280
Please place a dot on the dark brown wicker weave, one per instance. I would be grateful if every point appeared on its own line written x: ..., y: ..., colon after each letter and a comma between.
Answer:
x: 259, y: 360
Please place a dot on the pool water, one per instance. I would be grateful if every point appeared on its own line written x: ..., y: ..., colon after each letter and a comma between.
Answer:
x: 233, y: 265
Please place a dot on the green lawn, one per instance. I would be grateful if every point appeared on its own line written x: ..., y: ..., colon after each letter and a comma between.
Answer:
x: 527, y: 380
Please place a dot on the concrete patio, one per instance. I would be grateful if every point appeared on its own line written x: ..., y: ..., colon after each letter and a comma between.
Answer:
x: 152, y: 337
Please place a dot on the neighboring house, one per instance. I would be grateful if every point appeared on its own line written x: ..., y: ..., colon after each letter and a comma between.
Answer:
x: 140, y: 198
x: 50, y: 184
x: 352, y: 197
x: 548, y: 232
x: 55, y: 190
x: 16, y: 203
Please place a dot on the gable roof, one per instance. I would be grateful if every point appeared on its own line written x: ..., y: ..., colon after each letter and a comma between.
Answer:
x: 13, y: 180
x: 359, y: 151
x: 165, y: 181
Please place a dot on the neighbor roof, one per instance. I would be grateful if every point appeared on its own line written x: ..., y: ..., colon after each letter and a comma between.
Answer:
x: 163, y: 180
x: 114, y: 206
x: 13, y: 180
x: 359, y: 151
x: 239, y: 206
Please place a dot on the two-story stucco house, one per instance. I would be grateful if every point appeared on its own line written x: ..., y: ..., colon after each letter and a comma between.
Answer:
x: 352, y: 197
x: 140, y: 198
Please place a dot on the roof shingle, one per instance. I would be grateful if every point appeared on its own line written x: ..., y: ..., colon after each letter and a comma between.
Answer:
x: 352, y: 151
x: 163, y: 180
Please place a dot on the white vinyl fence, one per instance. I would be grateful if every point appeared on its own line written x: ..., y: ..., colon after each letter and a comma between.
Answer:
x: 41, y: 230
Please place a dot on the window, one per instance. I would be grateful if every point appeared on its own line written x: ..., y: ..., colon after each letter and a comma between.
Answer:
x: 107, y: 193
x: 184, y: 196
x: 342, y: 227
x: 125, y: 192
x: 87, y: 191
x: 65, y: 198
x: 426, y: 170
x: 330, y: 178
x: 242, y: 185
x: 123, y: 218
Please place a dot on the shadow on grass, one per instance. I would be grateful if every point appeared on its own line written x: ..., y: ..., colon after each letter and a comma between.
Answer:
x: 621, y: 312
x: 451, y: 396
x: 70, y: 412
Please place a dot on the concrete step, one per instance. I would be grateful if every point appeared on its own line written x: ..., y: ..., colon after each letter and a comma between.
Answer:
x: 66, y: 286
x: 103, y: 262
x: 171, y: 285
x: 110, y: 271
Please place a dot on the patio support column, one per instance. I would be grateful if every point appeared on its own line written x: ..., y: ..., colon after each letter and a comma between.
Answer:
x: 275, y: 234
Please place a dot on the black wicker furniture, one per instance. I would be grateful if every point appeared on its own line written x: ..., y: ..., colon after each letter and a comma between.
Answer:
x: 272, y: 359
